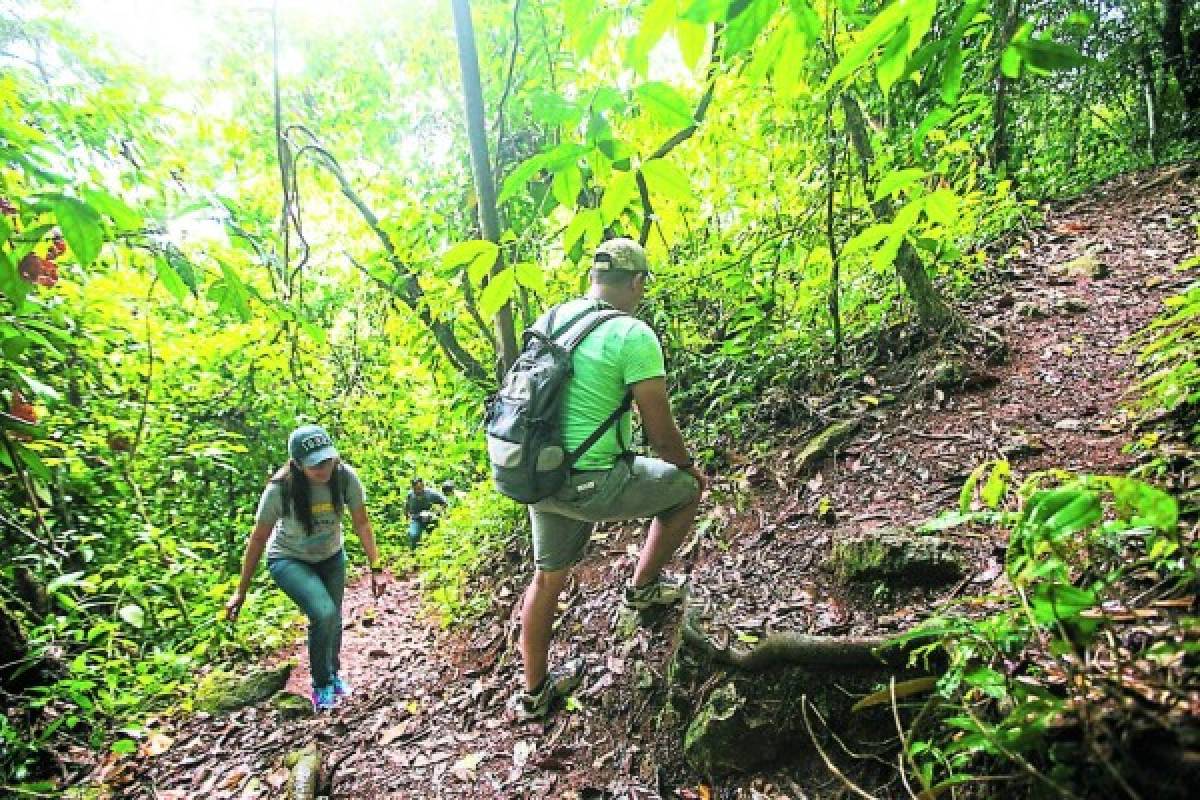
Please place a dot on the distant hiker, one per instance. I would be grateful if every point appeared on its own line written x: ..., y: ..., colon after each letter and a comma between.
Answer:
x: 620, y: 359
x: 419, y: 505
x: 299, y: 523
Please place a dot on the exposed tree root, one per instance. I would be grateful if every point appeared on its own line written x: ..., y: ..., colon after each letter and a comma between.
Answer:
x: 790, y: 647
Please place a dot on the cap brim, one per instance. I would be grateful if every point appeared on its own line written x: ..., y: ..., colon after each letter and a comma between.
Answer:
x: 317, y: 456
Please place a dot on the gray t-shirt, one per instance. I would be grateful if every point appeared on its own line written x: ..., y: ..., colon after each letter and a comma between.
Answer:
x: 289, y: 539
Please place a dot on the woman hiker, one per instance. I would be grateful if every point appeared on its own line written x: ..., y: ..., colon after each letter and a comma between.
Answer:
x: 299, y: 523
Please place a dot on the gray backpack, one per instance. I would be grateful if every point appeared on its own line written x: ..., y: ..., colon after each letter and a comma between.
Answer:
x: 524, y: 419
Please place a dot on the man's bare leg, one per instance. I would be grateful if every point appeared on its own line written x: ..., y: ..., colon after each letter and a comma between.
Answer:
x: 667, y: 533
x: 538, y: 608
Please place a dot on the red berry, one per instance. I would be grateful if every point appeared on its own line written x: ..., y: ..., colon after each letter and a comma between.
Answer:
x: 30, y: 268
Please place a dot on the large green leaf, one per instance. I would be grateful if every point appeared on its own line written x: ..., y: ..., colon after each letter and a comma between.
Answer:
x: 885, y: 25
x: 586, y: 226
x: 745, y: 20
x: 898, y: 179
x: 657, y: 17
x: 807, y: 21
x: 498, y: 291
x: 124, y: 217
x: 531, y: 276
x: 478, y: 255
x: 952, y: 72
x: 81, y: 226
x: 666, y: 179
x: 617, y: 196
x: 665, y: 104
x: 1049, y: 56
x: 568, y: 183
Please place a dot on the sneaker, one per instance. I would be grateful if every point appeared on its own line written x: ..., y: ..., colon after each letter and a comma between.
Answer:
x: 559, y: 683
x: 323, y: 698
x: 341, y: 688
x: 662, y: 591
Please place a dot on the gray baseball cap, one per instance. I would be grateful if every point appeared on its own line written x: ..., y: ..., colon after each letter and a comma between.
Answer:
x: 623, y: 254
x: 309, y: 445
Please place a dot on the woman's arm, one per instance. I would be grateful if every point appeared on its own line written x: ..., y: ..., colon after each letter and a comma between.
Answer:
x: 362, y: 527
x: 254, y: 551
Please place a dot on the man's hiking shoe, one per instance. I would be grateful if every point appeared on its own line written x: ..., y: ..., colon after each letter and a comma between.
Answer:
x: 341, y: 688
x: 559, y: 683
x: 662, y: 591
x: 323, y: 698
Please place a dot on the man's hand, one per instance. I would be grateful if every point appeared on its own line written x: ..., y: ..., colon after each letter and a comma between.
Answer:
x: 379, y: 580
x: 234, y: 606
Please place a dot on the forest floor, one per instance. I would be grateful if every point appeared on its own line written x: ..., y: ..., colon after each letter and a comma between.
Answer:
x: 427, y: 717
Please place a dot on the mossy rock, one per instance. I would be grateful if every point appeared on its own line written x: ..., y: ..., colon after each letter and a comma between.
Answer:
x: 823, y: 444
x: 291, y: 706
x: 727, y: 735
x: 1086, y: 266
x: 224, y: 691
x: 897, y: 558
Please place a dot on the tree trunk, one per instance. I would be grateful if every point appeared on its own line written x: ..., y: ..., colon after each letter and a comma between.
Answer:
x: 481, y: 167
x: 1009, y: 12
x: 933, y: 312
x: 1182, y: 57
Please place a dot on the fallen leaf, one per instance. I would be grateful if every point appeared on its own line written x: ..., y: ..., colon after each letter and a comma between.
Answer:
x: 156, y: 744
x: 464, y: 768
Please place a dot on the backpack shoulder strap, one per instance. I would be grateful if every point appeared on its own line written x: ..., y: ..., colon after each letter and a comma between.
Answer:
x: 573, y: 333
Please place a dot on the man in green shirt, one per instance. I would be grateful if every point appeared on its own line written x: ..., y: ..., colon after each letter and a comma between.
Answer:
x: 620, y: 356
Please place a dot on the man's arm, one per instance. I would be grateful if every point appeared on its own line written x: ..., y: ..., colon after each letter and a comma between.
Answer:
x: 662, y: 434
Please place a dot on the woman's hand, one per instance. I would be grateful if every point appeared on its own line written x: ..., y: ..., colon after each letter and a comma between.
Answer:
x: 234, y: 606
x: 378, y: 583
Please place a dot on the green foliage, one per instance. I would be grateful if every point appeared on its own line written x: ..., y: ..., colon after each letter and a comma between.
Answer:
x: 1016, y: 675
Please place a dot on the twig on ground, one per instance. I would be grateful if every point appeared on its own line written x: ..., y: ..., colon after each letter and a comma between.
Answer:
x: 824, y: 757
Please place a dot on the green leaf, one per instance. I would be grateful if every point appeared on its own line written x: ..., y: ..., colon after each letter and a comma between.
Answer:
x: 693, y: 42
x: 668, y: 180
x: 586, y: 226
x: 657, y: 17
x: 869, y: 237
x: 1058, y: 601
x: 745, y: 21
x: 895, y: 57
x: 553, y: 109
x: 665, y: 104
x: 568, y: 183
x: 1049, y: 56
x: 807, y: 21
x: 943, y: 207
x: 124, y: 217
x: 1145, y: 505
x: 617, y: 196
x: 81, y: 227
x: 183, y: 268
x: 124, y: 747
x: 170, y: 278
x: 133, y: 614
x: 896, y: 180
x: 703, y: 12
x: 931, y: 121
x: 498, y: 291
x: 1010, y: 62
x: 952, y: 73
x: 63, y: 581
x: 880, y: 29
x: 479, y: 255
x: 531, y: 276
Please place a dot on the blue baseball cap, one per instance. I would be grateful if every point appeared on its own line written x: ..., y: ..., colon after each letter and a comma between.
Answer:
x: 309, y: 445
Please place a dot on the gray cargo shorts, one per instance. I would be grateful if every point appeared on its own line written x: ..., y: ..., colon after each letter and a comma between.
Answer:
x: 632, y: 489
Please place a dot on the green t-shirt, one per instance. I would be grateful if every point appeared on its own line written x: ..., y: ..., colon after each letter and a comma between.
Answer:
x: 616, y: 355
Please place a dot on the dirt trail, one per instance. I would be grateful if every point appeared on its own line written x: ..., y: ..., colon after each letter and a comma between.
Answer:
x: 427, y: 717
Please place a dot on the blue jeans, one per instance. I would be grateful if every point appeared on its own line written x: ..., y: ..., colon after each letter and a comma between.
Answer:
x: 415, y: 528
x: 317, y: 588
